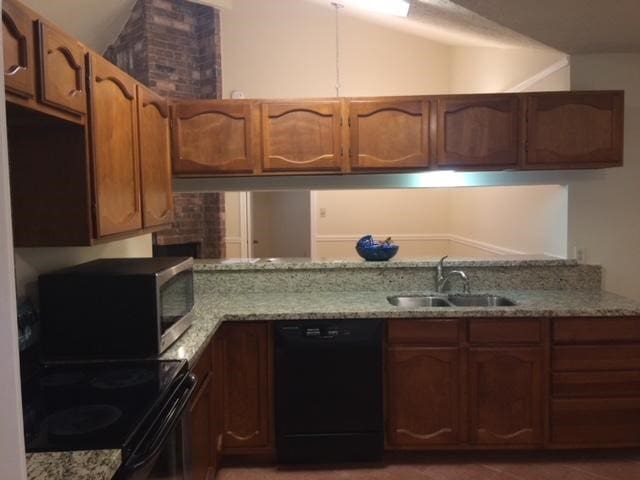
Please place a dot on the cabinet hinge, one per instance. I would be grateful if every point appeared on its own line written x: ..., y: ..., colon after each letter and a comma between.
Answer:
x: 341, y: 151
x: 349, y: 122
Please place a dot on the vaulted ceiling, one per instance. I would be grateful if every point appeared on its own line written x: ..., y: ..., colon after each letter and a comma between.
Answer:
x: 572, y: 26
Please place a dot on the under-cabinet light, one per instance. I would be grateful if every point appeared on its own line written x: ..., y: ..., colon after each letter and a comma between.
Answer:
x: 398, y: 8
x: 441, y: 178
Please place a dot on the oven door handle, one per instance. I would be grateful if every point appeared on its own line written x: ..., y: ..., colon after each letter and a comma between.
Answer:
x: 156, y: 441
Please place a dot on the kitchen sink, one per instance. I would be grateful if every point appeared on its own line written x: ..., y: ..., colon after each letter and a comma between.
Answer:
x: 418, y: 301
x: 481, y: 300
x: 453, y: 300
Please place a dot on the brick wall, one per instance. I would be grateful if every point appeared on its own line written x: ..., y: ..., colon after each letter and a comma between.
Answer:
x: 173, y: 47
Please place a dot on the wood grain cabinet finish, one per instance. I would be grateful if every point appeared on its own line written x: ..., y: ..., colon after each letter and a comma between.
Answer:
x: 202, y: 419
x: 244, y: 351
x: 17, y: 44
x: 478, y: 131
x: 155, y: 159
x: 574, y: 129
x: 595, y: 382
x: 62, y: 70
x: 114, y: 137
x: 214, y: 137
x: 301, y: 136
x: 390, y: 134
x: 423, y: 399
x: 505, y: 390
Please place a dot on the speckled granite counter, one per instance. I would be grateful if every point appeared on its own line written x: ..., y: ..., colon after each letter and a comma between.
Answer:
x: 212, y: 310
x: 301, y: 289
x: 91, y: 465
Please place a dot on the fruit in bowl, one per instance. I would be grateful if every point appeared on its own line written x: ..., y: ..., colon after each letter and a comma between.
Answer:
x: 375, y: 251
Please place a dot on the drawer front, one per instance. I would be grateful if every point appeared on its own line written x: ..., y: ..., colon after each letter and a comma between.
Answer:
x: 596, y: 330
x: 593, y: 422
x: 597, y: 358
x: 505, y: 331
x: 596, y: 384
x: 423, y: 332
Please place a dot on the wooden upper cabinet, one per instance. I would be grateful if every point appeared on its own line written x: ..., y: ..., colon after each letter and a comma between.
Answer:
x: 301, y: 136
x: 574, y: 129
x: 62, y: 77
x: 505, y: 396
x: 478, y: 131
x: 114, y: 136
x: 244, y: 356
x: 390, y: 134
x: 155, y: 158
x: 17, y: 43
x: 423, y: 399
x: 213, y: 137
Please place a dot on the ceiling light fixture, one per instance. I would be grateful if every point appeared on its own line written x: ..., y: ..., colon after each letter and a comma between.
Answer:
x: 398, y: 8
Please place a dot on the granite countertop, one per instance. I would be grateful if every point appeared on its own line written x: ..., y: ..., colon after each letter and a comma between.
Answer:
x: 319, y: 264
x: 212, y: 309
x: 90, y: 465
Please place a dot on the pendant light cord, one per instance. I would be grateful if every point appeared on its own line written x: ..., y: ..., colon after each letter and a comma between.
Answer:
x: 337, y: 6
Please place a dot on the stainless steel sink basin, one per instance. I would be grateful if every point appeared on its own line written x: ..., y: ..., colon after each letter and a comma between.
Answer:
x: 413, y: 301
x: 482, y: 300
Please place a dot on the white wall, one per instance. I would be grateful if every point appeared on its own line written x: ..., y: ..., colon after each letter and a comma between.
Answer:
x: 478, y: 222
x: 487, y: 70
x: 12, y: 459
x: 604, y: 217
x: 286, y: 48
x: 31, y: 262
x: 527, y: 219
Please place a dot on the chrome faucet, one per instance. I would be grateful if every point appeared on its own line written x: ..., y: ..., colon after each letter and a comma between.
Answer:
x: 441, y: 280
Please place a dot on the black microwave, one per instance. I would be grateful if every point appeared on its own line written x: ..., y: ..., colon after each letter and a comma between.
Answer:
x: 115, y: 308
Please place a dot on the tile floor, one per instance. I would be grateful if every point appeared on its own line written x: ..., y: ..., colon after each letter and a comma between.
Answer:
x: 552, y: 466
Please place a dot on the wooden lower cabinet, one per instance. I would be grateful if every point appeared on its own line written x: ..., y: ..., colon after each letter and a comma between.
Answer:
x: 243, y: 353
x: 423, y: 399
x: 595, y: 382
x: 505, y: 396
x: 203, y: 418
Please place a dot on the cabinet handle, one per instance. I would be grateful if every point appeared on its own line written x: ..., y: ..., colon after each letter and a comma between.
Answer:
x: 15, y: 69
x: 75, y: 92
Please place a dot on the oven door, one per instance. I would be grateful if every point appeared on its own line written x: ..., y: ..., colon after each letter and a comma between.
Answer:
x: 165, y: 452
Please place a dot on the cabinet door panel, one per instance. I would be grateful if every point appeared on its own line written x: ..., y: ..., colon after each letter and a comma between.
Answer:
x: 201, y: 435
x: 478, y: 131
x: 505, y: 396
x: 423, y: 397
x: 17, y: 43
x: 115, y: 149
x: 301, y: 136
x: 155, y: 159
x: 574, y: 129
x: 244, y: 350
x: 62, y: 82
x: 212, y: 137
x: 390, y: 135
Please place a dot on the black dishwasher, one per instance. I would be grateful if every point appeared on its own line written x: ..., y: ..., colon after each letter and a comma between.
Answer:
x: 328, y: 388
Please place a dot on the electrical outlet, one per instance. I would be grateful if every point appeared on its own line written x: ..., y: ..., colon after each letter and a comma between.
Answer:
x: 323, y: 212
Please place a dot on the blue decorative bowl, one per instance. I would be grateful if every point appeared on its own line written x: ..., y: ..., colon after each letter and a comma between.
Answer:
x: 377, y: 253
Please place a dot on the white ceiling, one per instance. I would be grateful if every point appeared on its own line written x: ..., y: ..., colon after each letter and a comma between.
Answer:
x: 572, y: 26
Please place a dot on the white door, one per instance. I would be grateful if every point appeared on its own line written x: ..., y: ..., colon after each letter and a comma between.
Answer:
x: 280, y: 224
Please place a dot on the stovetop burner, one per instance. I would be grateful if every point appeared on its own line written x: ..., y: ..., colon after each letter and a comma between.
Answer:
x: 96, y: 405
x: 83, y: 420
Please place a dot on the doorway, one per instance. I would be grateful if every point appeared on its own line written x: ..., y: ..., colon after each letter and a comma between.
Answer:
x: 280, y: 224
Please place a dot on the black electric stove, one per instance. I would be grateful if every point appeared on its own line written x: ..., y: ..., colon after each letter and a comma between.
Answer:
x: 102, y: 405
